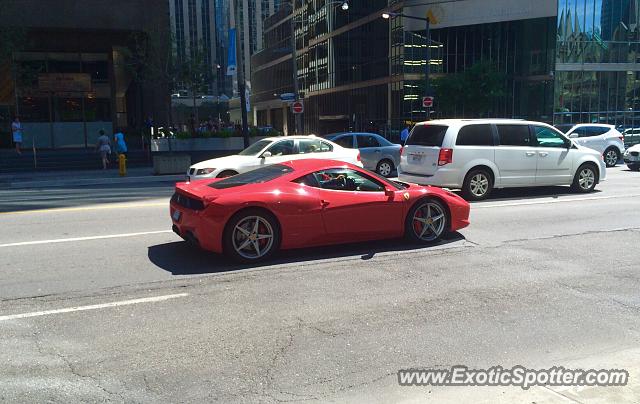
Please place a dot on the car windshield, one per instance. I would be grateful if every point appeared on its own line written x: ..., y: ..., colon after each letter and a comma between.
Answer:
x: 261, y: 175
x: 255, y: 148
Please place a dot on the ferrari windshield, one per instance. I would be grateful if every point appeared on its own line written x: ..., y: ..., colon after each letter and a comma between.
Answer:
x: 258, y: 176
x: 255, y: 148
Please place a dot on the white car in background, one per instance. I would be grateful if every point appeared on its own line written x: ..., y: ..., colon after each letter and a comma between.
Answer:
x: 273, y: 150
x: 632, y: 157
x: 604, y: 139
x: 477, y: 156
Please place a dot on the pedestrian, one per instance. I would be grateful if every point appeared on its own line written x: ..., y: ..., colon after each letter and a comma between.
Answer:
x: 16, y: 130
x: 121, y: 145
x: 404, y: 134
x: 103, y: 145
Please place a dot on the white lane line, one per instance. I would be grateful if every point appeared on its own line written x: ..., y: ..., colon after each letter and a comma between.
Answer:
x: 67, y: 240
x: 559, y: 200
x: 93, y: 306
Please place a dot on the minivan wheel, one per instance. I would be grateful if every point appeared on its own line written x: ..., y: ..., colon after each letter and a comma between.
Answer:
x: 477, y: 185
x: 611, y: 156
x: 385, y: 168
x: 585, y: 179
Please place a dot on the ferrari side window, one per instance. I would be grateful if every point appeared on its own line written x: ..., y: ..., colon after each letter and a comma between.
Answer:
x: 340, y: 179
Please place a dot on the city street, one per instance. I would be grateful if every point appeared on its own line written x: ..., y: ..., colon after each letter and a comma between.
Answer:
x: 100, y: 301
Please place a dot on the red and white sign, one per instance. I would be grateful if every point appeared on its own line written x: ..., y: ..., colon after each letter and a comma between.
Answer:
x: 427, y: 102
x: 297, y: 107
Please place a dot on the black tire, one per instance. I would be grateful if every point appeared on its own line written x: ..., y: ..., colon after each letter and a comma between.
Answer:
x: 385, y: 166
x: 227, y: 173
x: 634, y: 167
x: 413, y: 229
x: 608, y: 156
x: 232, y: 239
x: 584, y: 182
x: 477, y: 185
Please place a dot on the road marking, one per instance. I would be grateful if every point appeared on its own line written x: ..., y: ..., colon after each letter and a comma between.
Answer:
x: 67, y: 240
x: 93, y: 307
x: 84, y: 208
x: 559, y: 200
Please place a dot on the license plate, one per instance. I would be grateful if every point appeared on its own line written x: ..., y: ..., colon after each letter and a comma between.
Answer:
x: 416, y: 158
x: 176, y: 215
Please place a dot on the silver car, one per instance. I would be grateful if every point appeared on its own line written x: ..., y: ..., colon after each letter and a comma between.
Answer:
x: 377, y: 153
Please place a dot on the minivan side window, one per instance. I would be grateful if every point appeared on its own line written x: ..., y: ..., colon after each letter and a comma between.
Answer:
x: 475, y: 135
x: 514, y: 135
x: 548, y: 137
x: 427, y: 135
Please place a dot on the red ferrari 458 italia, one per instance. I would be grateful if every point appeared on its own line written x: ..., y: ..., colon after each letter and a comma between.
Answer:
x: 307, y: 203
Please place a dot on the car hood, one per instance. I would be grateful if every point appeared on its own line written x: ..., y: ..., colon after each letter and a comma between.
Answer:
x: 635, y: 148
x: 225, y: 162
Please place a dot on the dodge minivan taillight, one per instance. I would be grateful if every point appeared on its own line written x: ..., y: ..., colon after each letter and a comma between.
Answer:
x: 445, y: 157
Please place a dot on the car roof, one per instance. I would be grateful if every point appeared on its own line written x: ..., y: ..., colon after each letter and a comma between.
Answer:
x: 597, y: 125
x: 463, y: 122
x: 295, y: 137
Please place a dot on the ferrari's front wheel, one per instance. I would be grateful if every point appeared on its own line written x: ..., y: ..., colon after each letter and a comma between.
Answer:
x: 427, y: 221
x: 251, y: 235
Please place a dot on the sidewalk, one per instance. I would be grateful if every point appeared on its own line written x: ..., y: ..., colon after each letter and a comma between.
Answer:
x: 83, y: 177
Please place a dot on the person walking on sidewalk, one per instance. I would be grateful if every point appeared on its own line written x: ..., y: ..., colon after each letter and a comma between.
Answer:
x: 104, y: 147
x: 16, y: 130
x: 121, y: 145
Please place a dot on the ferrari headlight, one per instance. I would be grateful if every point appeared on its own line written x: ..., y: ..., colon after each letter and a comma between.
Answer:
x: 205, y: 171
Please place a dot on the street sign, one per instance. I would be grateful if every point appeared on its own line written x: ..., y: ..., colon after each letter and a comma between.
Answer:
x: 288, y: 97
x: 427, y: 102
x: 297, y: 107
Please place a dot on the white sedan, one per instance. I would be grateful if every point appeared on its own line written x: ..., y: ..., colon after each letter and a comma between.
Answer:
x: 632, y: 157
x: 273, y: 150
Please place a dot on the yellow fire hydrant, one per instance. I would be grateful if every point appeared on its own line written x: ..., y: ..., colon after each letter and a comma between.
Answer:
x: 122, y: 164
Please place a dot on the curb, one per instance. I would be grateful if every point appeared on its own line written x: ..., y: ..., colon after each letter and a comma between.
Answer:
x: 90, y: 181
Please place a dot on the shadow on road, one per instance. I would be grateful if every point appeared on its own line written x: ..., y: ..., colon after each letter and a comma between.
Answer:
x: 511, y: 194
x: 181, y: 258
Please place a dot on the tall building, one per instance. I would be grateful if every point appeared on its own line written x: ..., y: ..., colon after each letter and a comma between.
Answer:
x: 203, y: 24
x: 74, y: 75
x: 597, y: 70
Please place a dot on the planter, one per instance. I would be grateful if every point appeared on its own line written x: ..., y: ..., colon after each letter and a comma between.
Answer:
x: 171, y: 164
x: 199, y: 144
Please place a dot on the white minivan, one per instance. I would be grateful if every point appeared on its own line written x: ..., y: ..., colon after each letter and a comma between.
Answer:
x: 479, y: 155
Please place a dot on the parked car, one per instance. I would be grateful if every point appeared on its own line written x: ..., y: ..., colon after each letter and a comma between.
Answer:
x: 632, y: 157
x: 631, y: 136
x: 378, y: 154
x: 272, y: 150
x: 304, y: 203
x: 602, y: 138
x: 479, y: 155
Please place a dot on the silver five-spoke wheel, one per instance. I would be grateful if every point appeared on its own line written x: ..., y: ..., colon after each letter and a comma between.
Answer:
x: 253, y: 237
x: 611, y: 157
x: 586, y: 178
x: 479, y: 185
x: 385, y: 168
x: 429, y: 221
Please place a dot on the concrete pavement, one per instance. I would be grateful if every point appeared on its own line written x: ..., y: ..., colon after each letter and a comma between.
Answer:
x: 540, y: 278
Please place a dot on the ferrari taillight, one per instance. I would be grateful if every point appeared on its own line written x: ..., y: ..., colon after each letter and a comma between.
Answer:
x: 445, y: 157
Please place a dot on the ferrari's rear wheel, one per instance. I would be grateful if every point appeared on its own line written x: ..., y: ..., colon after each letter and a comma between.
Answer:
x: 251, y: 236
x: 427, y: 221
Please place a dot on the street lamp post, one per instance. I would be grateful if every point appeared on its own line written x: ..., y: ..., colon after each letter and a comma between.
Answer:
x: 427, y: 89
x: 344, y: 5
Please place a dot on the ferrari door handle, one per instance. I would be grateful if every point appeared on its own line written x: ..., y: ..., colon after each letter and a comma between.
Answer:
x: 544, y: 154
x: 324, y: 203
x: 530, y: 154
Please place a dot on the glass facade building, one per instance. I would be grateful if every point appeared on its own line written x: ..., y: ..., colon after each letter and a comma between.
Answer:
x: 597, y: 65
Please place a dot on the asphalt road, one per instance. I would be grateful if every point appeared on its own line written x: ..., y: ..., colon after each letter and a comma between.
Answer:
x: 99, y: 301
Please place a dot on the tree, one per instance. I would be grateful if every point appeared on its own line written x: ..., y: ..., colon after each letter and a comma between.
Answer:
x: 12, y: 40
x: 474, y: 91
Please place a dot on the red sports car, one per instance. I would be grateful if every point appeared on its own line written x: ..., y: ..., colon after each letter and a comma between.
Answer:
x: 307, y: 203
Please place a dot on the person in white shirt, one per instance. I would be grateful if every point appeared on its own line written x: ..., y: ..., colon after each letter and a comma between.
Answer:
x: 16, y: 130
